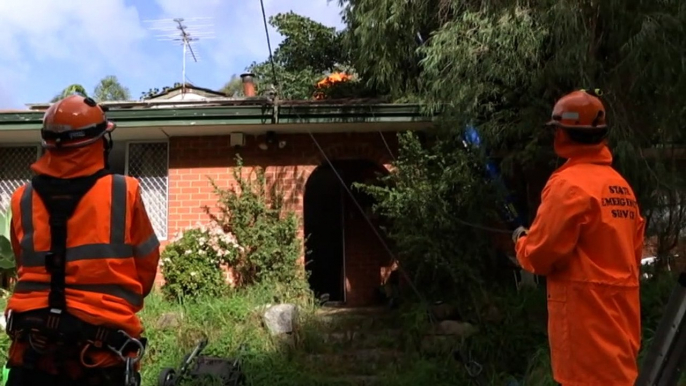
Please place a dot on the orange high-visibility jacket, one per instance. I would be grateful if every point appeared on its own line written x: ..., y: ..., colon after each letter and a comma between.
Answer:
x: 112, y: 252
x: 587, y: 238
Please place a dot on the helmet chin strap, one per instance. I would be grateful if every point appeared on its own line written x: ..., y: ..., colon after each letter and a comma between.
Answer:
x: 108, y: 144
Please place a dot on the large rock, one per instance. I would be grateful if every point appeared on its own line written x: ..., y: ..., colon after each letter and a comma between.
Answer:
x: 445, y: 336
x: 281, y: 318
x: 169, y: 321
x: 454, y: 328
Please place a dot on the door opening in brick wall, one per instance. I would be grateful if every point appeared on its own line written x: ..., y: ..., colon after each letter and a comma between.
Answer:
x: 323, y: 207
x: 345, y: 259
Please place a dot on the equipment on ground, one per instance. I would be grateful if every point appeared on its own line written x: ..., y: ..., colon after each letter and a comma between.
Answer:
x: 666, y: 358
x: 196, y: 367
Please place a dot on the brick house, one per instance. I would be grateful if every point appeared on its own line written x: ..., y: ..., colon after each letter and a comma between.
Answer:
x: 173, y: 143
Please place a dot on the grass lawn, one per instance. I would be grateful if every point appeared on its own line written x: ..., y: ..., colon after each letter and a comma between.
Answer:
x: 234, y: 328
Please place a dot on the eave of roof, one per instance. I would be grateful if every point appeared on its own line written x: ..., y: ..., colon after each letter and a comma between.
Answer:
x: 239, y: 114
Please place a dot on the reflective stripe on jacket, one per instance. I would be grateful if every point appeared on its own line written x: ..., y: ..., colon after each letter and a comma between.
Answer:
x: 111, y: 260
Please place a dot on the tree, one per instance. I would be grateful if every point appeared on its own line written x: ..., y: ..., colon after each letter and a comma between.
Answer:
x: 500, y: 65
x: 233, y: 87
x: 70, y: 90
x: 309, y: 50
x: 155, y: 91
x: 109, y: 89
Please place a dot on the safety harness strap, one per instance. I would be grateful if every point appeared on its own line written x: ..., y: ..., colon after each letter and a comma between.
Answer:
x: 61, y: 197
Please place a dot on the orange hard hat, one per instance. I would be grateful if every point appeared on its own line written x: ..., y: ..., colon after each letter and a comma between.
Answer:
x: 74, y: 121
x: 579, y: 110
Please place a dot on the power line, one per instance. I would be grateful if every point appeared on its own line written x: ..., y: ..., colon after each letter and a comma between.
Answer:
x: 269, y: 45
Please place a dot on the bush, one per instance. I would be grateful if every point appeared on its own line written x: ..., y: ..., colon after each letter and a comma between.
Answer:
x: 268, y: 235
x: 192, y: 263
x: 251, y: 234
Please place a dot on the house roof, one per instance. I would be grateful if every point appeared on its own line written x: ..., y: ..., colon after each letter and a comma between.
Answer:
x: 173, y: 91
x: 233, y: 111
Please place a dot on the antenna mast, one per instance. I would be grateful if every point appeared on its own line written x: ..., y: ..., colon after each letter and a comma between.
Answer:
x: 175, y: 30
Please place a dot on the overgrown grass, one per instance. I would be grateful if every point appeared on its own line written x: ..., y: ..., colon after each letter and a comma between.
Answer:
x: 233, y: 325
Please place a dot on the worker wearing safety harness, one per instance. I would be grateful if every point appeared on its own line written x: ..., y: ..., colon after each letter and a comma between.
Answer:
x: 86, y: 254
x: 587, y: 238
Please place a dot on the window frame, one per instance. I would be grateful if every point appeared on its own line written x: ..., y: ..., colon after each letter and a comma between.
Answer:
x: 126, y: 172
x: 39, y: 148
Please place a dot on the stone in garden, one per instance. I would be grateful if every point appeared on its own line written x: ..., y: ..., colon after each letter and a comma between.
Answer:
x: 281, y: 318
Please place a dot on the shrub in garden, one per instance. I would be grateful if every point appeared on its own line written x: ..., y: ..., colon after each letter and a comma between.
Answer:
x: 251, y: 234
x: 192, y: 262
x: 266, y: 232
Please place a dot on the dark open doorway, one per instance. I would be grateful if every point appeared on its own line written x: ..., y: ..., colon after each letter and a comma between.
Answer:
x: 324, y: 230
x: 329, y: 214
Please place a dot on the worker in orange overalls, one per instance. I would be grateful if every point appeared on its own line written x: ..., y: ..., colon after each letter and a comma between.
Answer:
x: 86, y: 255
x: 587, y: 238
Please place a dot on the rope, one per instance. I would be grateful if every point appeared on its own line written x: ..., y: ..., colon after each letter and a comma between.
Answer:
x: 388, y: 148
x: 269, y: 44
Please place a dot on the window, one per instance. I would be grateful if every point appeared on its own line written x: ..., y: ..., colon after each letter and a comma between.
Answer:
x: 146, y: 161
x: 15, y: 170
x: 149, y: 163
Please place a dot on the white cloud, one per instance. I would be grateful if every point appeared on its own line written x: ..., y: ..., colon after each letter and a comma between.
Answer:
x: 75, y: 40
x: 87, y: 35
x: 85, y: 32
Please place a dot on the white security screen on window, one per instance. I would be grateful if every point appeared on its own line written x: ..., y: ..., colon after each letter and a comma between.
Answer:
x: 149, y: 163
x: 15, y: 170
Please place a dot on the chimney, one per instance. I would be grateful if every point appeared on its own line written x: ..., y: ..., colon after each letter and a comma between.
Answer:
x: 248, y: 84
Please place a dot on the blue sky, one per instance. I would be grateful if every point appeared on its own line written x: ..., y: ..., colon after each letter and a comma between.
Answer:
x: 49, y: 44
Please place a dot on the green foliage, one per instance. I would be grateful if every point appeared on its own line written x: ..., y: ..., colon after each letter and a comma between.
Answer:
x: 266, y: 233
x: 109, y: 89
x: 7, y: 258
x: 250, y: 233
x: 501, y: 66
x: 309, y: 50
x: 307, y: 44
x: 192, y: 265
x: 156, y: 91
x: 70, y: 90
x: 293, y: 85
x: 426, y: 195
x: 234, y: 87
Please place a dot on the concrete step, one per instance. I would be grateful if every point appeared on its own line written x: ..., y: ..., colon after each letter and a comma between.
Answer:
x: 356, y: 319
x: 356, y: 380
x: 361, y: 339
x: 366, y: 362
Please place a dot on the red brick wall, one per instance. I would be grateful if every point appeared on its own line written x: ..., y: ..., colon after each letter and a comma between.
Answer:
x: 193, y: 159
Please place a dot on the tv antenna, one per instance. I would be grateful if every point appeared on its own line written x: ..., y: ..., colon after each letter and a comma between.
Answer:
x: 175, y: 30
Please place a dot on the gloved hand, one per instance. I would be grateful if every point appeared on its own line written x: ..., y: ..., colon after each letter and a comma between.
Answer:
x: 519, y: 232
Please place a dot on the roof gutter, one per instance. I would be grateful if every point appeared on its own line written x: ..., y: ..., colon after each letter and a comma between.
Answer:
x: 146, y: 104
x: 291, y: 113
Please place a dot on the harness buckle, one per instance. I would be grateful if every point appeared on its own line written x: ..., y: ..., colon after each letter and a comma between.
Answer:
x: 130, y: 375
x: 129, y: 340
x: 473, y: 367
x: 9, y: 323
